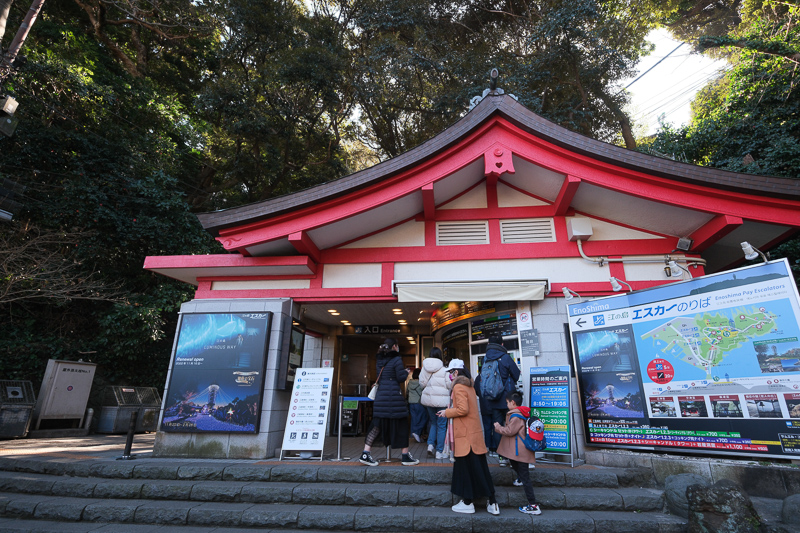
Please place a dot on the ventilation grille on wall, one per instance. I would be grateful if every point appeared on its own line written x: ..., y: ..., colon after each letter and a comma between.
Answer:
x: 459, y: 233
x: 527, y: 230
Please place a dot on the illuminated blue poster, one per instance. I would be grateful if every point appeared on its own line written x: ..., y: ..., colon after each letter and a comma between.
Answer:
x: 550, y: 402
x: 217, y: 378
x: 711, y: 363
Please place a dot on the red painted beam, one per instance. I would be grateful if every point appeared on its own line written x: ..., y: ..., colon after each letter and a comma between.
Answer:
x: 304, y: 245
x: 714, y: 230
x: 566, y: 194
x: 223, y: 260
x: 428, y: 202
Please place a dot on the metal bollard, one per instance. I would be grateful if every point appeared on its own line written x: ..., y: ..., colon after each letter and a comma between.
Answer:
x: 89, y: 414
x: 131, y: 430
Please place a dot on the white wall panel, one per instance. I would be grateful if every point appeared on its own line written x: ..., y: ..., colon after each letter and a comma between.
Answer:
x: 351, y: 276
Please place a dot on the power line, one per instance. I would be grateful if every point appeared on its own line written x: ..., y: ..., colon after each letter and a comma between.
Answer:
x: 651, y: 68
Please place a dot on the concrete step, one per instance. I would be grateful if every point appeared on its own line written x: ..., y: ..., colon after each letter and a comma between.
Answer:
x: 15, y: 488
x: 321, y: 472
x: 65, y: 515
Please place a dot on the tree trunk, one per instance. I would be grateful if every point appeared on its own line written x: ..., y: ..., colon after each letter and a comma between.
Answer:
x: 5, y: 7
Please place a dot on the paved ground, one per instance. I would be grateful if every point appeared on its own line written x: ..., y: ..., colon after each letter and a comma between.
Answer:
x: 98, y: 446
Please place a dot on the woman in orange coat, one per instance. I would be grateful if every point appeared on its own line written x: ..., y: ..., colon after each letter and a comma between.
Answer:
x: 471, y: 476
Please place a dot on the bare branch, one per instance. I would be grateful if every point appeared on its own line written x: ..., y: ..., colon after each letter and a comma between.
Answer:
x: 38, y: 264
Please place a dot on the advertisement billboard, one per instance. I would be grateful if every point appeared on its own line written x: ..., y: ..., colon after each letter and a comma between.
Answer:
x: 709, y: 364
x: 550, y: 394
x: 217, y: 378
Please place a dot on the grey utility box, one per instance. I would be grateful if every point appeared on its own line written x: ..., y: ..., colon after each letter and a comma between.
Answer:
x: 64, y: 394
x: 16, y: 405
x: 119, y: 402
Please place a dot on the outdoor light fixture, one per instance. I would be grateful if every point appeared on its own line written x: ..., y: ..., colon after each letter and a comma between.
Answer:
x: 615, y: 284
x: 674, y: 270
x: 569, y: 294
x: 751, y: 252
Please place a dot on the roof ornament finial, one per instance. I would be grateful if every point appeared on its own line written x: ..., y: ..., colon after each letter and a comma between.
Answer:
x: 492, y: 90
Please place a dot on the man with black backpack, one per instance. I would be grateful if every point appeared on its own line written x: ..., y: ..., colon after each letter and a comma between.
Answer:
x: 497, y: 377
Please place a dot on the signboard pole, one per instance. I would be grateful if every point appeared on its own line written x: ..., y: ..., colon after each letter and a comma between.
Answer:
x: 307, y: 419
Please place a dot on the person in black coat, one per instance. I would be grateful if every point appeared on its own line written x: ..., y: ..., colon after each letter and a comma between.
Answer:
x: 495, y: 410
x: 390, y: 410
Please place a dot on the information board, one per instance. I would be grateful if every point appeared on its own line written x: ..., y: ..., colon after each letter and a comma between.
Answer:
x: 503, y: 325
x: 450, y: 312
x: 711, y: 363
x: 217, y: 378
x: 550, y: 396
x: 309, y: 406
x: 529, y: 342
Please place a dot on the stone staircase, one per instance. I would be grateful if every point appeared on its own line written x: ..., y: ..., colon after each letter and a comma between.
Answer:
x: 203, y: 496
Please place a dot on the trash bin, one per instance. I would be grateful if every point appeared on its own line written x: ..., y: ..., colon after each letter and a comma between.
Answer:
x: 150, y: 402
x: 119, y: 402
x: 16, y: 405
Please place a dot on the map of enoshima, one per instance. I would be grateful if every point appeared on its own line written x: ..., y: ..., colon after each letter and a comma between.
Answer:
x: 705, y: 340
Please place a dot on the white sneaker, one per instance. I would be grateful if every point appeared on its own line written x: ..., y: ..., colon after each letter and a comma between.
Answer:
x: 431, y: 450
x: 416, y: 437
x: 493, y: 508
x: 462, y: 507
x: 517, y: 483
x: 441, y: 455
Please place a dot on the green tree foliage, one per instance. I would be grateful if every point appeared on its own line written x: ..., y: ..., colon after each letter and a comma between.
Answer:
x: 106, y: 158
x: 417, y: 64
x: 748, y: 120
x: 274, y: 105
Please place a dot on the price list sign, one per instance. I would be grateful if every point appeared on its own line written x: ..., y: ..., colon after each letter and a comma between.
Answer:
x: 550, y: 402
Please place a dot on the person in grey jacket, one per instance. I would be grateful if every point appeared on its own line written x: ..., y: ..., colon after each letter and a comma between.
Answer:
x: 435, y: 396
x: 390, y: 410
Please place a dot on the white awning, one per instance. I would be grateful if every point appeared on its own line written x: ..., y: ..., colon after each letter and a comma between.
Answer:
x: 470, y: 291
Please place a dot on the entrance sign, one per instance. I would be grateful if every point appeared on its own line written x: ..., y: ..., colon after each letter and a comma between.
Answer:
x: 217, y: 378
x: 550, y: 402
x: 308, y: 411
x: 711, y: 364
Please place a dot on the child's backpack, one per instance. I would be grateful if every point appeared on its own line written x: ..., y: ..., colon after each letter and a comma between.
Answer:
x: 492, y: 386
x: 533, y: 439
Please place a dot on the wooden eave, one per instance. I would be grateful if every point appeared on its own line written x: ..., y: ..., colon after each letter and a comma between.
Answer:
x: 527, y: 121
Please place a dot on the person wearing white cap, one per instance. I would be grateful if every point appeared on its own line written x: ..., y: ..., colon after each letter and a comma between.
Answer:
x: 471, y: 477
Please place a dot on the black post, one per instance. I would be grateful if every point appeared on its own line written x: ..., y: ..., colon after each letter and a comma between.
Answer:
x: 131, y: 430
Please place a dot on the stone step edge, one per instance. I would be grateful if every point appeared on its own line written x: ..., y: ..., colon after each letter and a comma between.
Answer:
x: 423, y: 475
x: 371, y: 519
x: 579, y: 499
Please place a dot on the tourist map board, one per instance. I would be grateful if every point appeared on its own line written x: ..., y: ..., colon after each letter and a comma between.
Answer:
x: 712, y: 363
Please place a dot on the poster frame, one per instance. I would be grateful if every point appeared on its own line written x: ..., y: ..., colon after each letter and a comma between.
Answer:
x: 567, y: 410
x: 712, y: 429
x: 259, y: 382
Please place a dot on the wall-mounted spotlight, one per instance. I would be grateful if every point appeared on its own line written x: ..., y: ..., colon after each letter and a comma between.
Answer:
x: 674, y: 270
x: 615, y: 284
x: 751, y: 252
x: 569, y: 294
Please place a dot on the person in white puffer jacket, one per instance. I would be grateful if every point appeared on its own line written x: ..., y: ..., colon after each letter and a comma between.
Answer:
x: 437, y: 384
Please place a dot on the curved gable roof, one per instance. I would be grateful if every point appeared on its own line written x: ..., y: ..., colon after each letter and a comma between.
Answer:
x: 506, y: 107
